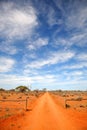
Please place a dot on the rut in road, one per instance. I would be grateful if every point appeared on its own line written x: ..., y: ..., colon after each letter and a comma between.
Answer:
x: 47, y: 116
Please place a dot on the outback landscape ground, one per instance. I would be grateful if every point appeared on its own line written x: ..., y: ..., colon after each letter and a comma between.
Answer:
x: 53, y: 110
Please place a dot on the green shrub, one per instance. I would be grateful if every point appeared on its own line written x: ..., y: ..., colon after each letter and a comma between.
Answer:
x: 22, y: 89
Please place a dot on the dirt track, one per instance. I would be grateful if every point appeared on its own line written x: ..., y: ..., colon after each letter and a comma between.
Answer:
x: 46, y: 115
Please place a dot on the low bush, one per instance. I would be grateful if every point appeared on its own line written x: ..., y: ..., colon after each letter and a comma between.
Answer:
x: 4, y: 97
x: 67, y: 106
x: 79, y: 98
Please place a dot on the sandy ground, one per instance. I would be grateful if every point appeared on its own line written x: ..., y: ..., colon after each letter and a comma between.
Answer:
x: 47, y: 114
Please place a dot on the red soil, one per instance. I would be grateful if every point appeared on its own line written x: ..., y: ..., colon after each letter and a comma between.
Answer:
x: 47, y: 113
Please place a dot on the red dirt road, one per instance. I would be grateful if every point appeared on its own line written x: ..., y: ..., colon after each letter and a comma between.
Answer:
x: 46, y: 115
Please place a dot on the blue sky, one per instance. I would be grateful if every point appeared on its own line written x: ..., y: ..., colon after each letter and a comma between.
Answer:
x: 43, y: 43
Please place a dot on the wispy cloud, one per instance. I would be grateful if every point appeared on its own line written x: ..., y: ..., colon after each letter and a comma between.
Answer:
x: 73, y: 75
x: 48, y: 81
x: 75, y: 66
x: 53, y: 18
x: 43, y: 43
x: 8, y: 47
x: 38, y: 43
x: 73, y: 17
x: 15, y: 80
x: 75, y: 39
x: 82, y: 57
x: 16, y: 22
x: 79, y: 39
x: 73, y: 22
x: 77, y: 18
x: 6, y: 64
x: 54, y: 58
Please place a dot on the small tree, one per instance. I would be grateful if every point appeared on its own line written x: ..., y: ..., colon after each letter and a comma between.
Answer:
x: 1, y: 89
x: 22, y: 88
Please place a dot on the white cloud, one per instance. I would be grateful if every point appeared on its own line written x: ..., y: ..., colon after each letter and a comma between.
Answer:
x: 15, y: 80
x: 82, y: 57
x: 16, y: 21
x: 52, y: 18
x: 61, y: 42
x: 74, y: 13
x: 73, y: 75
x: 54, y: 58
x: 77, y: 18
x: 38, y: 43
x: 8, y: 47
x: 12, y: 81
x: 73, y: 22
x: 75, y: 66
x: 19, y: 22
x: 23, y: 18
x: 40, y: 81
x: 78, y: 39
x: 6, y: 64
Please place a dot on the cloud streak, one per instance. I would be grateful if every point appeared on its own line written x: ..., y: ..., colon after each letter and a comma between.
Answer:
x: 54, y: 58
x: 6, y: 64
x: 16, y: 22
x: 38, y: 43
x: 8, y: 47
